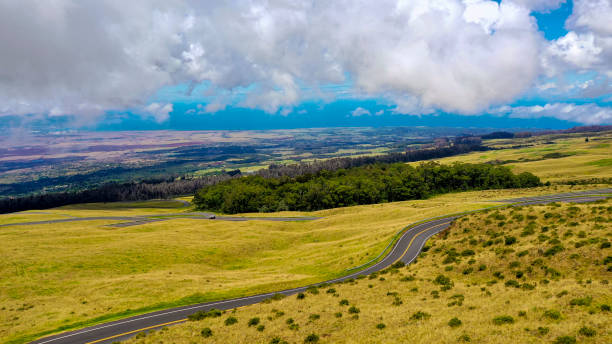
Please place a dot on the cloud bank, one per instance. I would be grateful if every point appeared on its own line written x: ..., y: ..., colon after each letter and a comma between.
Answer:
x: 88, y: 57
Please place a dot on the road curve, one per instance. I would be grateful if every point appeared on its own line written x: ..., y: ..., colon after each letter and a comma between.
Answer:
x: 406, y: 249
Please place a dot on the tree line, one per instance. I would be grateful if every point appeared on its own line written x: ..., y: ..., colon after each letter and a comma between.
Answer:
x: 171, y: 187
x: 374, y: 183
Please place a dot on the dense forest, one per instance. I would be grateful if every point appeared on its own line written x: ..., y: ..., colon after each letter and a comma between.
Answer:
x: 171, y: 187
x: 368, y: 184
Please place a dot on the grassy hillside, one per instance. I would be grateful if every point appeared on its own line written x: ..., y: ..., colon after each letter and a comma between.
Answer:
x: 535, y: 274
x: 74, y: 274
x: 554, y: 158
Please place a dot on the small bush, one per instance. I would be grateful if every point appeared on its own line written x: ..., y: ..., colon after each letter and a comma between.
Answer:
x: 311, y: 338
x: 585, y: 301
x: 260, y: 328
x: 277, y: 340
x: 565, y: 340
x: 454, y: 322
x: 314, y: 317
x: 380, y: 326
x: 522, y: 314
x: 587, y: 331
x: 338, y: 315
x: 398, y: 264
x: 230, y: 321
x: 466, y: 253
x: 464, y: 338
x: 552, y: 314
x: 482, y: 267
x: 301, y: 296
x: 553, y: 250
x: 331, y: 291
x: 313, y: 290
x: 512, y: 283
x: 353, y: 310
x: 253, y: 321
x: 503, y: 319
x: 509, y: 240
x: 344, y: 302
x: 467, y: 271
x: 543, y: 330
x: 420, y: 316
x: 605, y: 244
x: 206, y: 332
x: 200, y: 315
x: 604, y: 308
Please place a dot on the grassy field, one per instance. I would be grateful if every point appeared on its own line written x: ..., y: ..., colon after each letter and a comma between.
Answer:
x: 554, y: 158
x: 73, y: 274
x: 535, y: 274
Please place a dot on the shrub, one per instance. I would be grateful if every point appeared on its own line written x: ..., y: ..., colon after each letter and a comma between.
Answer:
x: 482, y: 267
x: 503, y: 319
x: 260, y: 328
x: 565, y: 340
x: 552, y: 314
x: 512, y: 283
x: 314, y: 317
x: 605, y: 244
x: 344, y: 302
x: 585, y: 301
x: 277, y: 340
x: 253, y: 321
x: 289, y: 321
x: 454, y: 322
x: 543, y: 330
x: 294, y: 327
x: 313, y: 290
x: 420, y: 316
x: 553, y: 250
x: 604, y: 308
x: 466, y: 253
x: 398, y: 264
x: 301, y: 296
x: 468, y: 271
x: 353, y: 310
x: 522, y: 253
x: 509, y: 240
x: 587, y: 331
x: 338, y: 315
x: 464, y: 338
x: 213, y: 313
x: 230, y: 321
x: 380, y: 326
x: 331, y: 291
x: 442, y: 280
x: 522, y: 314
x: 206, y: 332
x: 311, y: 338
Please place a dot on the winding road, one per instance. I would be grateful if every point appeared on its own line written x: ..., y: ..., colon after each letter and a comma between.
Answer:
x: 406, y: 249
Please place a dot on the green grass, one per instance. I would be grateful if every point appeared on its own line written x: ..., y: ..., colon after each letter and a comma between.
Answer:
x: 554, y: 158
x: 521, y: 296
x: 80, y: 273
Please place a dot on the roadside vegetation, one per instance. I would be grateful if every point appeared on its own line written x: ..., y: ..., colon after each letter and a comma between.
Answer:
x: 355, y: 186
x: 534, y: 274
x: 78, y: 273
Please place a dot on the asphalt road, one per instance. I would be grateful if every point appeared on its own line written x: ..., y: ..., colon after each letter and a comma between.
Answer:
x: 127, y: 221
x: 406, y: 249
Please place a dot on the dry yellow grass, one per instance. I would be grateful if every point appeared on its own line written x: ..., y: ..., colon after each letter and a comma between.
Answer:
x: 584, y: 160
x: 573, y: 282
x: 76, y: 272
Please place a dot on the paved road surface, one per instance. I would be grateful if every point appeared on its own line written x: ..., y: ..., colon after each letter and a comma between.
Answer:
x: 406, y: 249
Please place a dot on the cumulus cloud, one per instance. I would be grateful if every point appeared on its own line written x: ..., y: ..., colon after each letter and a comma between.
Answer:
x: 159, y: 112
x: 89, y: 57
x: 584, y: 113
x: 588, y: 44
x: 358, y: 112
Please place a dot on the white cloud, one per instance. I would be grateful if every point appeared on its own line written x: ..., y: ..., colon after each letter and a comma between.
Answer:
x: 159, y: 112
x: 421, y: 55
x: 358, y: 112
x: 588, y: 44
x: 589, y: 114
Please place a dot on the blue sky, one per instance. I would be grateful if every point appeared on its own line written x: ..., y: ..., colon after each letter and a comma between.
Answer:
x: 187, y: 64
